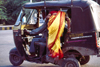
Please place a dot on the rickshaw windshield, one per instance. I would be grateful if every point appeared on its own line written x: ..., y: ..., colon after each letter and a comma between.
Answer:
x: 30, y: 16
x: 18, y: 19
x: 27, y: 16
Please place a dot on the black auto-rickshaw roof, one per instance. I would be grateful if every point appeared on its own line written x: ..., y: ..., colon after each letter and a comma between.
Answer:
x: 82, y: 13
x: 42, y: 4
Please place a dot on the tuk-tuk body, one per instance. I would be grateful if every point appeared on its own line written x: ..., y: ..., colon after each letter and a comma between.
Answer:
x: 84, y: 39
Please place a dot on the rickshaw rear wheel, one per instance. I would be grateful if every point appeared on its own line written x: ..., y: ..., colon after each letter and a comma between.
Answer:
x: 84, y: 60
x: 70, y: 62
x: 15, y: 60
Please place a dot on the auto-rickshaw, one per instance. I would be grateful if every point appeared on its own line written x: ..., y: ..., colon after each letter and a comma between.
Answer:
x: 77, y: 46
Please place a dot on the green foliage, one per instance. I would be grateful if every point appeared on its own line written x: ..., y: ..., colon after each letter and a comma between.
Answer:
x: 3, y: 15
x: 13, y: 8
x: 9, y: 9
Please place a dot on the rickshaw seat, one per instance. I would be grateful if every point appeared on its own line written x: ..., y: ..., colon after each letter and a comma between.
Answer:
x: 40, y: 43
x: 41, y: 46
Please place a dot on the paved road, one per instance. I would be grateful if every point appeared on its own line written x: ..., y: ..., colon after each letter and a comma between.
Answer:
x: 6, y: 43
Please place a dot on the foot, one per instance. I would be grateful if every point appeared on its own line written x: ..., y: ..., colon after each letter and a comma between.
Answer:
x: 32, y: 55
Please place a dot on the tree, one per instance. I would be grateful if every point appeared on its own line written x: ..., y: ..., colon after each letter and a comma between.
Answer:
x: 3, y: 15
x: 13, y: 8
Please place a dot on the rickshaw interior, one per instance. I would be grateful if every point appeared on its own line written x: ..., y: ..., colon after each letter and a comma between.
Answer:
x: 34, y: 18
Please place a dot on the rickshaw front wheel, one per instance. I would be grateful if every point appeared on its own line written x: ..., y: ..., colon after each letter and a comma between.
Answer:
x: 70, y: 62
x: 15, y: 60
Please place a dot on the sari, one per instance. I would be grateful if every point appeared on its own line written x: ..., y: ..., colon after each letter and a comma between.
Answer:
x: 56, y: 26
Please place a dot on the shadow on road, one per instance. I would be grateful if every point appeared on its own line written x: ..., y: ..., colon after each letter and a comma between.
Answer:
x: 28, y: 66
x: 11, y: 66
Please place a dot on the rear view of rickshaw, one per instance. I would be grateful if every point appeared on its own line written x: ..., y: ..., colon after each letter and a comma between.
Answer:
x: 77, y: 46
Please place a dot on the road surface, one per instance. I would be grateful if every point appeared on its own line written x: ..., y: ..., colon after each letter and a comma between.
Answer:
x: 7, y: 43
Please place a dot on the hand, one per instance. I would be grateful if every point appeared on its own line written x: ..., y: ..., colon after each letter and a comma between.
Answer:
x: 69, y: 31
x: 26, y: 32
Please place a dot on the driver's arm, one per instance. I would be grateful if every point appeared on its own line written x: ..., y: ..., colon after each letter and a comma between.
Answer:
x: 38, y: 30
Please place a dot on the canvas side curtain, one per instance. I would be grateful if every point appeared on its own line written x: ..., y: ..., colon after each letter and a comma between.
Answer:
x: 56, y: 26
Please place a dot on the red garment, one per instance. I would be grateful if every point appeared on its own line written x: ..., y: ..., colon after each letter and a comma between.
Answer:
x: 56, y: 26
x: 53, y: 12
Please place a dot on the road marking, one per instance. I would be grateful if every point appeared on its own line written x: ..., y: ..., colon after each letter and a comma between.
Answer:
x: 6, y: 28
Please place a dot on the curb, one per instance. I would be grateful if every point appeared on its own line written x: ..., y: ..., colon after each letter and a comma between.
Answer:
x: 6, y: 28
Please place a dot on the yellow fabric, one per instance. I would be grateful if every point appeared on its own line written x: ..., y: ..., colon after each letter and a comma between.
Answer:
x: 56, y: 26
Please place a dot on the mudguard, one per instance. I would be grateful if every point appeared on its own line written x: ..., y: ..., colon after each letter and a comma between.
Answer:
x: 14, y: 51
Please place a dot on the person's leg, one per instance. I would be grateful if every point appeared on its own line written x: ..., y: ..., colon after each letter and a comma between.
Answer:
x: 42, y: 47
x: 32, y: 48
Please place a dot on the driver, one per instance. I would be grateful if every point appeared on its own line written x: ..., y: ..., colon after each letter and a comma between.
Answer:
x: 41, y: 29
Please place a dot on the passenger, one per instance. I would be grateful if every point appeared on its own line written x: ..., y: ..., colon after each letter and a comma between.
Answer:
x: 56, y: 26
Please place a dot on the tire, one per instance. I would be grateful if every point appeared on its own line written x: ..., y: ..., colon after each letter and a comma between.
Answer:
x: 15, y: 60
x: 70, y: 62
x: 85, y: 60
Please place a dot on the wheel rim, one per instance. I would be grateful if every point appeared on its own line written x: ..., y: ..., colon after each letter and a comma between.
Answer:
x: 16, y: 59
x: 70, y: 64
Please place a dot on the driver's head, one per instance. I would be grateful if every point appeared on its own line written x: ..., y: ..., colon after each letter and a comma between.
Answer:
x: 44, y: 13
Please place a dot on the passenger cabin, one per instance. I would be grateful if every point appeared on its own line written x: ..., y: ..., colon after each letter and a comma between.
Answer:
x: 84, y: 14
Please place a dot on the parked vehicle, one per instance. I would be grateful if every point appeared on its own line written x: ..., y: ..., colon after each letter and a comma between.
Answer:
x: 83, y: 41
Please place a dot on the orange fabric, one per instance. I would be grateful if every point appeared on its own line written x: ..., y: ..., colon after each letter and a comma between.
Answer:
x: 55, y: 27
